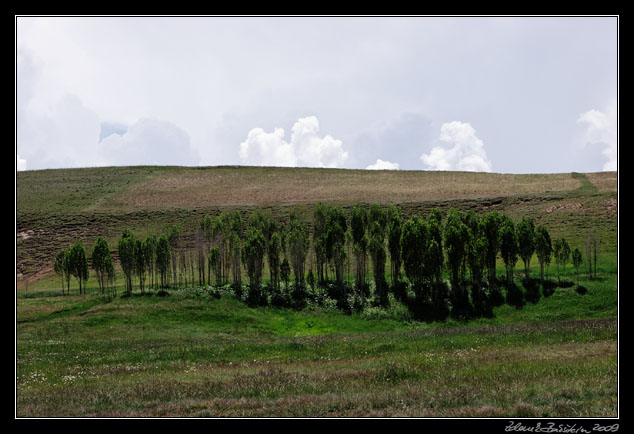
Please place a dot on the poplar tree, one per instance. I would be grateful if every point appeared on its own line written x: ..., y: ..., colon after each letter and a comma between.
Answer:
x: 149, y: 249
x: 173, y: 234
x: 414, y: 242
x: 490, y: 229
x: 561, y: 251
x: 140, y: 263
x: 206, y: 230
x: 100, y: 254
x: 456, y: 238
x: 508, y: 246
x: 61, y: 268
x: 358, y: 225
x: 285, y: 272
x: 298, y: 243
x: 253, y: 256
x: 335, y: 237
x: 163, y: 258
x: 127, y: 247
x: 79, y: 264
x: 577, y: 260
x: 274, y: 260
x: 435, y: 257
x: 526, y: 242
x: 394, y: 229
x: 543, y: 248
x: 319, y: 240
x: 215, y: 264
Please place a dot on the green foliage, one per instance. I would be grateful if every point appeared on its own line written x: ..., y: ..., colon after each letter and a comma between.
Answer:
x: 61, y: 265
x: 149, y: 252
x: 394, y: 229
x: 456, y: 239
x: 253, y: 252
x: 508, y: 246
x: 414, y: 243
x: 358, y: 223
x: 235, y: 252
x: 335, y: 240
x: 285, y: 272
x: 99, y: 255
x: 577, y: 260
x: 215, y: 264
x: 526, y: 242
x: 358, y: 227
x: 490, y: 229
x: 378, y: 255
x: 298, y: 243
x: 274, y: 249
x: 127, y: 256
x: 543, y: 248
x: 140, y: 262
x: 163, y: 259
x: 561, y: 252
x: 78, y: 263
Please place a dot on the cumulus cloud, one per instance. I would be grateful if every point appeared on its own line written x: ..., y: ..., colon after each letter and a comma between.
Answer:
x: 466, y: 151
x: 20, y: 163
x: 383, y: 165
x: 601, y: 129
x: 305, y: 149
x: 149, y: 141
x: 267, y: 149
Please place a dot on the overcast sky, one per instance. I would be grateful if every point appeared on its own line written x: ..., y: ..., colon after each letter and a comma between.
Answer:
x: 498, y: 94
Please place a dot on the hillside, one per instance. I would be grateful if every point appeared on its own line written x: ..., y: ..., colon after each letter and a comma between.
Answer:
x: 205, y: 352
x: 55, y: 207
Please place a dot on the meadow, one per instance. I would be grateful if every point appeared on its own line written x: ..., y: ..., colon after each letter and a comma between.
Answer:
x: 191, y: 353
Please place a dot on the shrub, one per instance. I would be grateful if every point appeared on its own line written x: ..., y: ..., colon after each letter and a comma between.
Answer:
x: 514, y: 295
x: 582, y: 290
x: 299, y: 296
x: 548, y: 287
x: 532, y: 290
x: 399, y: 289
x: 495, y: 296
x: 280, y: 298
x: 256, y: 296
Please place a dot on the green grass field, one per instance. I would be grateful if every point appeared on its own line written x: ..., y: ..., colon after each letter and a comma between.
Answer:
x: 189, y: 354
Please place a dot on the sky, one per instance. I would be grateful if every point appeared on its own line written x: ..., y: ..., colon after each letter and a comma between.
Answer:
x: 487, y: 94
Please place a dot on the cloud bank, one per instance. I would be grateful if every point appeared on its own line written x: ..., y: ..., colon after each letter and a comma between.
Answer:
x: 305, y: 149
x: 601, y: 129
x: 20, y: 163
x: 149, y: 141
x: 383, y: 165
x: 465, y: 153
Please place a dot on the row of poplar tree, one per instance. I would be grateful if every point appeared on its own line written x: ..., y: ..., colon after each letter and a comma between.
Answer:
x: 464, y: 244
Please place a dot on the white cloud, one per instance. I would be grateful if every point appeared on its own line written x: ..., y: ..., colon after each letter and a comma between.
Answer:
x: 267, y: 149
x: 20, y: 162
x: 601, y: 128
x: 305, y: 149
x: 466, y: 153
x: 383, y: 165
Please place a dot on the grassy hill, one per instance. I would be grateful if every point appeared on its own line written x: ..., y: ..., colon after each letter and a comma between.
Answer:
x: 191, y: 354
x: 55, y: 207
